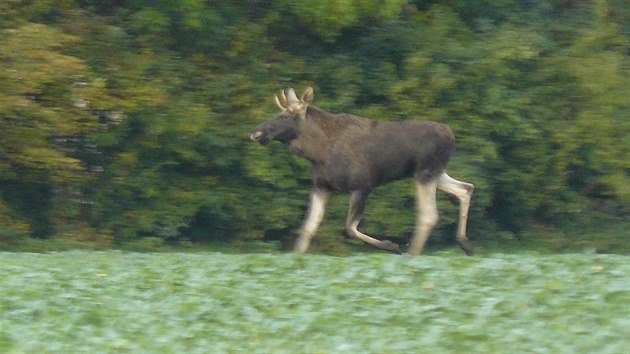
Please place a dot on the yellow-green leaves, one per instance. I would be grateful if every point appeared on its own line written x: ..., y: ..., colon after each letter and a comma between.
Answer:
x: 46, y: 96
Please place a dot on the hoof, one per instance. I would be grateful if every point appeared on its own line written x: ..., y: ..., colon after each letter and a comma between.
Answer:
x: 466, y: 246
x: 390, y: 246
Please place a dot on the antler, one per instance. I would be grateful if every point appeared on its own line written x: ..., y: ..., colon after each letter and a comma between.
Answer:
x: 275, y: 98
x: 281, y: 104
x: 290, y: 103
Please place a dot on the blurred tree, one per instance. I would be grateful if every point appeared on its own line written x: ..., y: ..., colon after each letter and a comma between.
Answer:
x: 600, y: 61
x: 328, y: 19
x: 45, y: 115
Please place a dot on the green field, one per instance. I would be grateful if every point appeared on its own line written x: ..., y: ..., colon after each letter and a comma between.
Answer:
x: 122, y: 302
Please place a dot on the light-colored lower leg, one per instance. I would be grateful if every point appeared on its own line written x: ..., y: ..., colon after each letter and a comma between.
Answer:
x: 463, y: 191
x: 384, y: 245
x: 427, y: 216
x: 355, y: 212
x: 313, y: 218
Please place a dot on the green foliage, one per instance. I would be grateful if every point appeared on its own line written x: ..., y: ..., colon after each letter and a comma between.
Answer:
x: 46, y: 111
x: 132, y: 117
x: 13, y: 227
x: 212, y: 302
x: 329, y: 18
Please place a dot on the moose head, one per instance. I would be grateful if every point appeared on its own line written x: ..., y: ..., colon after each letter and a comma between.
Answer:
x: 284, y: 126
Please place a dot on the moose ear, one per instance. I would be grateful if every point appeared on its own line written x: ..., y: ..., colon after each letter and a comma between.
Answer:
x: 308, y: 95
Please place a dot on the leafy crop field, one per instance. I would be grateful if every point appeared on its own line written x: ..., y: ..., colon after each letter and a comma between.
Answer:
x: 100, y: 302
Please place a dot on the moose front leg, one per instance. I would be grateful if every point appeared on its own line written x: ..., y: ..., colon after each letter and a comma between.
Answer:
x: 314, y: 216
x: 355, y: 212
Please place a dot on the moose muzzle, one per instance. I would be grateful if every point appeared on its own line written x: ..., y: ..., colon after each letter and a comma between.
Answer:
x: 258, y: 136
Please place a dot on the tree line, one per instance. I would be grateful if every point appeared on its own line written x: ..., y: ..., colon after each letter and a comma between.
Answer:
x: 129, y: 119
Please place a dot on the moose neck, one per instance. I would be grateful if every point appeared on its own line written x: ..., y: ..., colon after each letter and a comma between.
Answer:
x: 316, y: 134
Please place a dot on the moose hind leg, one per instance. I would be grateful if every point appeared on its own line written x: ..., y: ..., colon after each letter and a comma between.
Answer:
x: 313, y: 218
x: 463, y: 191
x: 427, y: 216
x: 355, y: 213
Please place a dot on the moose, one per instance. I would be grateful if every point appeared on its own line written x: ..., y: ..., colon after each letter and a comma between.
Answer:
x: 351, y: 154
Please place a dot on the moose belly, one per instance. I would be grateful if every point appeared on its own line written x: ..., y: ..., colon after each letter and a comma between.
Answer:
x: 346, y: 174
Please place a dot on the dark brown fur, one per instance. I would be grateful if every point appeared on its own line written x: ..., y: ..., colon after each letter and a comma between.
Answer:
x: 351, y: 153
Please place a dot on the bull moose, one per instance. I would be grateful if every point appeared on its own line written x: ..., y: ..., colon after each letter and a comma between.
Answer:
x: 351, y: 154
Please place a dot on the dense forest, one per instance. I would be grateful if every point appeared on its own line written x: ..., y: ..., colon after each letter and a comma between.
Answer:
x: 127, y: 120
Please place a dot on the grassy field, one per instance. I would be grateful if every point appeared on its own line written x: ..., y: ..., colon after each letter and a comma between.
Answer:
x: 121, y: 302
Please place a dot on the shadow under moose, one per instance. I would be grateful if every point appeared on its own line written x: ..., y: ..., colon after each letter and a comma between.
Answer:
x: 351, y: 154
